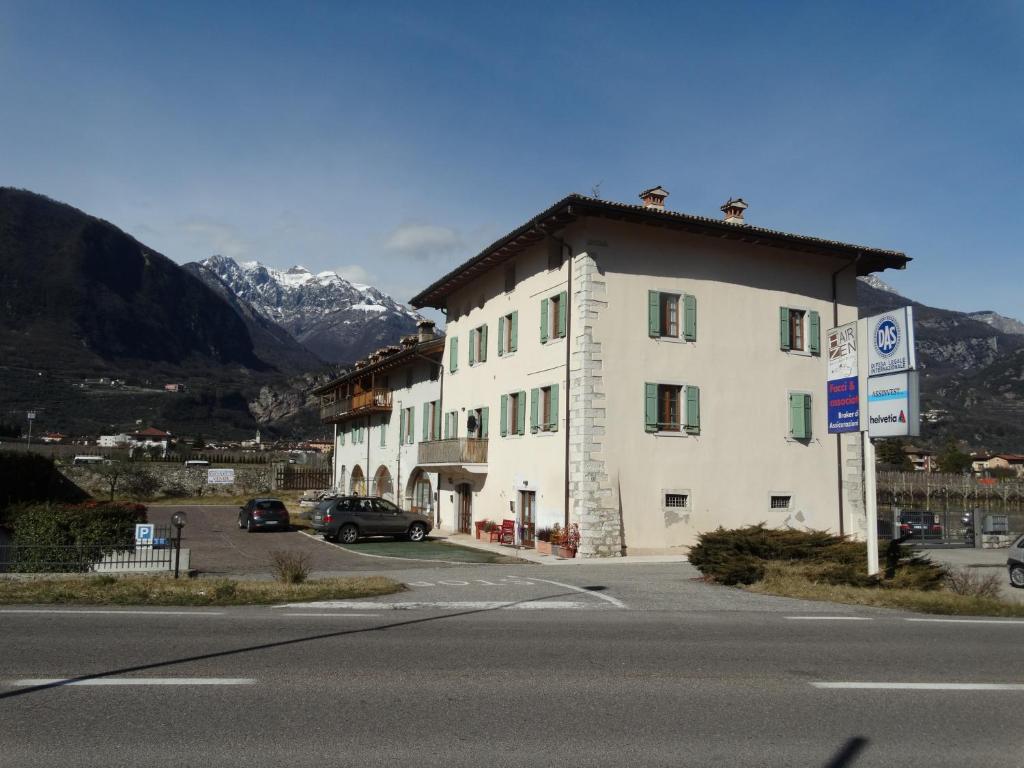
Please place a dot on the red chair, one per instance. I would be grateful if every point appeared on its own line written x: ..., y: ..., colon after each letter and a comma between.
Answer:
x: 507, y: 534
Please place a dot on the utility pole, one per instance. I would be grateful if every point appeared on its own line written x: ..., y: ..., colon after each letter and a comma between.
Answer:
x: 31, y: 415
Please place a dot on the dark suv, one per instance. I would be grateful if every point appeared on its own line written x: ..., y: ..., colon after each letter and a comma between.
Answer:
x: 347, y: 518
x: 263, y: 513
x: 921, y: 525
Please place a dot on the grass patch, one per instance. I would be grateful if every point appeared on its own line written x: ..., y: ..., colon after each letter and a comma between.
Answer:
x: 428, y: 550
x: 788, y: 580
x: 159, y: 590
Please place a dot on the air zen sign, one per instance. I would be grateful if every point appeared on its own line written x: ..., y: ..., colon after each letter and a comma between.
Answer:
x: 842, y: 384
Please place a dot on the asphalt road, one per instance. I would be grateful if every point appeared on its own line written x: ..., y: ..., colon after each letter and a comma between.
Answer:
x: 499, y: 665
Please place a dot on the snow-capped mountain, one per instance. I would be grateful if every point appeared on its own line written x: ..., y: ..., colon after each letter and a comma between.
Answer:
x: 878, y: 284
x: 997, y: 321
x: 338, y: 320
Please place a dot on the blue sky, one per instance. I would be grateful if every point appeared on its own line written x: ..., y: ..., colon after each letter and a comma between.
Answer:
x: 392, y: 142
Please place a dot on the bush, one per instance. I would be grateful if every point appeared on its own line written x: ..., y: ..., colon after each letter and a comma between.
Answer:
x: 290, y: 567
x: 28, y: 477
x: 965, y: 581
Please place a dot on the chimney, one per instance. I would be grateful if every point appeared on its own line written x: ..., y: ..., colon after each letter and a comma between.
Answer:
x: 654, y: 198
x: 733, y: 210
x: 425, y: 330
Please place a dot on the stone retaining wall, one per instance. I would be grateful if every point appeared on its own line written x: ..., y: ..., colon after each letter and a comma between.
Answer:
x: 172, y: 480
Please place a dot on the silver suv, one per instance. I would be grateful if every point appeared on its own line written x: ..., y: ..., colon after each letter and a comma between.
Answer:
x: 1015, y: 562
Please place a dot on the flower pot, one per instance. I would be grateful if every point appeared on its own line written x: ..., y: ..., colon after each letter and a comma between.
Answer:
x: 543, y: 547
x: 478, y: 526
x: 563, y: 552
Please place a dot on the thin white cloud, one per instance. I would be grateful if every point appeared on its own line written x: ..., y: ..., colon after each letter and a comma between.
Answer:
x: 355, y: 274
x: 423, y: 241
x: 216, y: 237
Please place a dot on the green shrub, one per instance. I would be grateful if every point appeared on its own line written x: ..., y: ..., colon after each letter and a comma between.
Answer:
x: 28, y: 477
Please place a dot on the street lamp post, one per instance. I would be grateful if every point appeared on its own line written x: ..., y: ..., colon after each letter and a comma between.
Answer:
x: 178, y: 520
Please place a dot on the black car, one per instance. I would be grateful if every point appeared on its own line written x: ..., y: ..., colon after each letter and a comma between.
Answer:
x: 347, y: 518
x: 263, y: 513
x: 920, y: 525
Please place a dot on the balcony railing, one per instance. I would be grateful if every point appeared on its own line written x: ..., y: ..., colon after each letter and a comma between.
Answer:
x: 371, y: 401
x: 455, y: 451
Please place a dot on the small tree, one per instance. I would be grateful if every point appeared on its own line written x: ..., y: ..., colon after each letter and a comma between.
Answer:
x: 891, y: 454
x: 111, y: 474
x: 953, y: 460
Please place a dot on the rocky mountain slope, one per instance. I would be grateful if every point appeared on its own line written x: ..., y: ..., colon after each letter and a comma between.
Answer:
x: 338, y: 320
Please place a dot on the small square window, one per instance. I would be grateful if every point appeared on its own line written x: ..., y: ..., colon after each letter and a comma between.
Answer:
x: 781, y: 502
x: 677, y: 500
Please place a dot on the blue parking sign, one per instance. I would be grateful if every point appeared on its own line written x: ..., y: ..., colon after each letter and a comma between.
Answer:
x: 144, y: 533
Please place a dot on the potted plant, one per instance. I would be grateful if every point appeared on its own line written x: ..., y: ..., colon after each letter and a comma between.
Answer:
x: 570, y: 542
x: 479, y: 527
x: 543, y: 543
x: 492, y: 529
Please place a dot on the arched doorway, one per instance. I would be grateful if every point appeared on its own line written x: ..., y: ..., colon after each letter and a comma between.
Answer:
x: 420, y: 497
x: 382, y: 485
x: 358, y: 482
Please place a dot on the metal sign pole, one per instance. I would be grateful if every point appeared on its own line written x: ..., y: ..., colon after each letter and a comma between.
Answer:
x: 871, y: 504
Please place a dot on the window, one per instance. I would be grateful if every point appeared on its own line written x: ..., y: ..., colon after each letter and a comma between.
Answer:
x: 407, y: 425
x: 508, y: 334
x: 544, y: 409
x: 677, y: 500
x: 476, y: 423
x: 478, y: 345
x: 671, y: 315
x: 672, y: 408
x: 553, y: 316
x: 799, y: 416
x: 799, y: 330
x: 432, y: 420
x: 510, y: 277
x: 513, y: 414
x: 451, y: 425
x: 453, y: 355
x: 781, y: 502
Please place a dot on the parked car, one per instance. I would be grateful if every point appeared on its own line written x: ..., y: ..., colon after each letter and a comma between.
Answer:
x: 263, y: 513
x: 348, y: 518
x: 1015, y: 562
x: 920, y: 524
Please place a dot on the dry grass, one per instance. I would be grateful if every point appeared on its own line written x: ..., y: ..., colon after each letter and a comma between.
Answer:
x: 789, y: 581
x: 160, y: 590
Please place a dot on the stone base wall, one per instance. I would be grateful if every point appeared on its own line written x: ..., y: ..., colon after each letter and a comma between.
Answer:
x: 594, y: 502
x: 171, y: 480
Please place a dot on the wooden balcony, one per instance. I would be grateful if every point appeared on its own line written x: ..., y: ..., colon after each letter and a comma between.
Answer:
x: 454, y: 452
x: 371, y: 401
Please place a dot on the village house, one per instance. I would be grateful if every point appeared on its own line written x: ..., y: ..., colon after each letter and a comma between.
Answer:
x: 922, y: 459
x: 644, y: 374
x: 1001, y: 461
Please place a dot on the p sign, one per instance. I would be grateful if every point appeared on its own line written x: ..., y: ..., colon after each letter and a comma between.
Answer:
x: 891, y: 342
x: 144, y: 534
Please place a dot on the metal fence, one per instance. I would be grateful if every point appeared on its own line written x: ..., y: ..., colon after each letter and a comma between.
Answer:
x: 290, y: 478
x: 114, y: 557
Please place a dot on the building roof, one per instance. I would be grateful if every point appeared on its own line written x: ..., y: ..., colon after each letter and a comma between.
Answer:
x: 152, y: 432
x: 402, y: 356
x: 574, y: 207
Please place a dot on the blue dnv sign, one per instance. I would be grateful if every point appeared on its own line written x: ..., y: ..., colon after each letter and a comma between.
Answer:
x: 843, y: 405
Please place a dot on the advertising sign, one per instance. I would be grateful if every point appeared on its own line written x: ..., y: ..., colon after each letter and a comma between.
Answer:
x: 220, y: 476
x: 891, y: 342
x: 893, y: 405
x: 841, y: 345
x: 843, y: 405
x: 143, y: 535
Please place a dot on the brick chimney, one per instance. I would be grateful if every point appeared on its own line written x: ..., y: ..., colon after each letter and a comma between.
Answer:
x: 425, y: 330
x: 654, y: 198
x: 733, y: 210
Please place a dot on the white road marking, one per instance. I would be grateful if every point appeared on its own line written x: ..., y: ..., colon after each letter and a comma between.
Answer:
x: 127, y: 613
x: 925, y: 686
x: 829, y: 618
x: 446, y: 605
x: 30, y: 682
x: 614, y: 601
x: 968, y: 621
x: 345, y: 615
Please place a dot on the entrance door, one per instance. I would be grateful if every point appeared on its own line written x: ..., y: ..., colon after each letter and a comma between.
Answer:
x: 527, y: 508
x: 465, y: 508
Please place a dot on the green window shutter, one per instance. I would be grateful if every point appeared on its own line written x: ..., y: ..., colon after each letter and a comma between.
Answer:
x: 799, y: 416
x: 543, y: 320
x: 690, y: 317
x: 484, y: 417
x: 483, y: 344
x: 553, y: 426
x: 783, y: 327
x: 501, y: 336
x: 447, y: 426
x: 563, y: 312
x: 814, y: 332
x: 437, y: 419
x: 693, y: 410
x: 383, y: 433
x: 453, y: 355
x: 426, y: 421
x: 341, y: 437
x: 514, y: 345
x: 651, y: 407
x: 504, y: 415
x: 401, y: 428
x: 534, y: 409
x: 410, y: 435
x: 472, y: 345
x: 653, y: 314
x: 521, y: 426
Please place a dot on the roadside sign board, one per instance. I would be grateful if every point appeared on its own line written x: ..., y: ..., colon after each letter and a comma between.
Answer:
x: 144, y: 535
x: 843, y: 405
x: 841, y: 344
x: 891, y: 342
x: 31, y: 415
x: 894, y: 405
x: 220, y: 476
